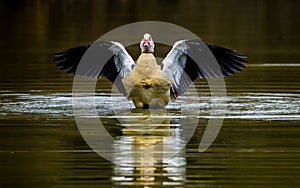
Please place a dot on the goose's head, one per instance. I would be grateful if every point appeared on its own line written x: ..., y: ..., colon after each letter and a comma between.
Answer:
x: 147, y: 44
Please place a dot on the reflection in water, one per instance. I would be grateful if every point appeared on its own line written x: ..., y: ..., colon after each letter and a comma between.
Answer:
x: 243, y: 151
x: 142, y: 154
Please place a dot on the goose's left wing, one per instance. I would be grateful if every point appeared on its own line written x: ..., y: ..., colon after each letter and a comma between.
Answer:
x: 102, y: 58
x: 190, y: 59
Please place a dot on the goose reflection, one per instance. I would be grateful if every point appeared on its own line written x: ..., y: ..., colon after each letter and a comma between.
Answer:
x: 149, y: 152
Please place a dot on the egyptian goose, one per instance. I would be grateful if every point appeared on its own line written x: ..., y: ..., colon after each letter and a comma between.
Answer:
x: 146, y: 83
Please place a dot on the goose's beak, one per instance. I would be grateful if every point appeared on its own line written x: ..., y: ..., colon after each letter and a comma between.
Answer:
x: 146, y: 43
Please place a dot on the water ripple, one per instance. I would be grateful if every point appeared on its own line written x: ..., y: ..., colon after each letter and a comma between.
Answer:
x: 265, y: 106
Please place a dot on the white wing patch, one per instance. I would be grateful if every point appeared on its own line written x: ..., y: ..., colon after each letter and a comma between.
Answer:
x: 175, y: 61
x: 123, y: 61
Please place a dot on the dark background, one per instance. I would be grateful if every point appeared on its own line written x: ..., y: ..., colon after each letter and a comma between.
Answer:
x: 266, y: 30
x: 258, y: 146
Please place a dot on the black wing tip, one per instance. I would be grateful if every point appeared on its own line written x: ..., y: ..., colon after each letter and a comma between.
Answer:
x: 240, y: 57
x: 70, y: 50
x: 57, y: 54
x: 69, y: 59
x: 230, y: 61
x: 231, y: 52
x: 57, y: 59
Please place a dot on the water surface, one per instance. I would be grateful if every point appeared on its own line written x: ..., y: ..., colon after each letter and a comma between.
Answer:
x: 257, y: 145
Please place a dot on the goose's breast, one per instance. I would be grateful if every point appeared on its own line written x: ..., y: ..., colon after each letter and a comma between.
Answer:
x: 147, y: 84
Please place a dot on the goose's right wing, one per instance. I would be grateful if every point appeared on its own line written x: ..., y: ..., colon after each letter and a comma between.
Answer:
x: 190, y: 59
x: 102, y: 58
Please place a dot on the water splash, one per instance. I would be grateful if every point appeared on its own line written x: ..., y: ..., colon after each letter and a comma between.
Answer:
x: 259, y: 106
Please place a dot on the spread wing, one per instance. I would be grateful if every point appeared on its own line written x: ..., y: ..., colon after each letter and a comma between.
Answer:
x: 102, y: 58
x: 190, y: 59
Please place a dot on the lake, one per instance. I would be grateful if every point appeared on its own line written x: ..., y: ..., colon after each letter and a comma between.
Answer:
x: 257, y: 144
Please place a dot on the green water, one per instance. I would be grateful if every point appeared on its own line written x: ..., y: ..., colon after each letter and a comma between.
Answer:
x: 257, y: 145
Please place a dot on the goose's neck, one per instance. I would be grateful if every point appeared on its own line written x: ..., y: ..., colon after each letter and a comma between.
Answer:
x: 147, y: 51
